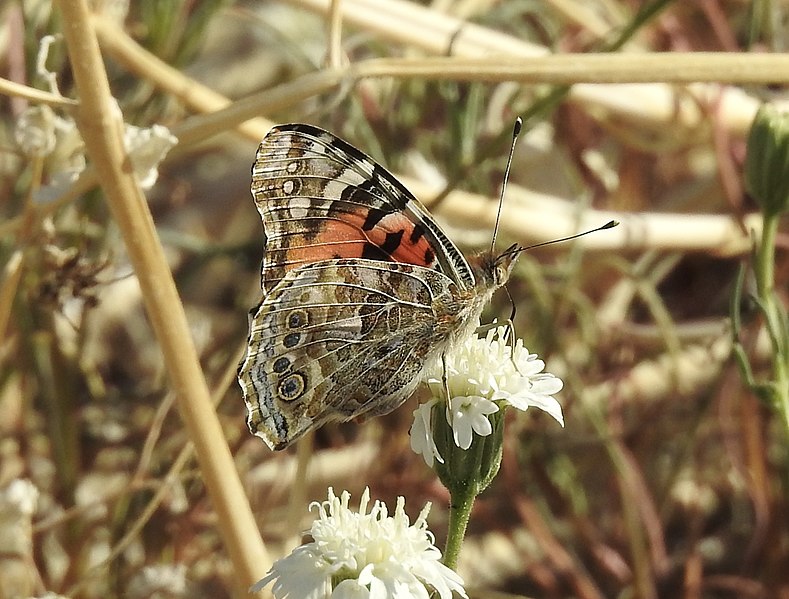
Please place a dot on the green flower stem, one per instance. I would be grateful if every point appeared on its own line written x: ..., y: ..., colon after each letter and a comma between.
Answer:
x: 781, y: 371
x: 459, y: 514
x: 765, y: 259
x: 765, y: 286
x: 465, y: 473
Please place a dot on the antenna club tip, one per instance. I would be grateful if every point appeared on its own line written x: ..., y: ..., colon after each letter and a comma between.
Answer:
x: 610, y: 224
x: 518, y: 126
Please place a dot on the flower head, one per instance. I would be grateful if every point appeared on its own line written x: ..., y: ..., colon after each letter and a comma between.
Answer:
x: 167, y: 580
x: 483, y: 375
x: 360, y: 554
x: 469, y: 414
x: 147, y: 147
x: 41, y: 133
x: 18, y: 502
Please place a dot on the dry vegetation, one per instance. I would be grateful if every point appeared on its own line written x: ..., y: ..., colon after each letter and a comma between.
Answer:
x: 670, y: 477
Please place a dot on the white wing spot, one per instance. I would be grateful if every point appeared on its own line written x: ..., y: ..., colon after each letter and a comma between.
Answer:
x: 292, y: 167
x: 287, y: 186
x: 299, y: 207
x: 347, y: 178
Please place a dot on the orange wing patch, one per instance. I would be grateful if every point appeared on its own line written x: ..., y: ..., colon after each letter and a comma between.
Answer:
x: 372, y: 234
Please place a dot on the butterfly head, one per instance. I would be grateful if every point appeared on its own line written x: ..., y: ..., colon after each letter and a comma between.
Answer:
x: 504, y: 263
x: 492, y: 270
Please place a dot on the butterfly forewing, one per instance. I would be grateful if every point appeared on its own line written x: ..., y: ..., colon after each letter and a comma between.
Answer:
x: 322, y: 198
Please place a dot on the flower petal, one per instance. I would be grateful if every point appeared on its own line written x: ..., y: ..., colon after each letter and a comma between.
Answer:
x: 421, y: 433
x: 469, y: 414
x: 350, y: 589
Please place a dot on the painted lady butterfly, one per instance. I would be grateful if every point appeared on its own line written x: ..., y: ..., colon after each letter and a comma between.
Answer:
x: 362, y: 287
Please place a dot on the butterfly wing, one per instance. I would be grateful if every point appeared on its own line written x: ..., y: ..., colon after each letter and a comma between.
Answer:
x: 321, y: 198
x: 340, y: 338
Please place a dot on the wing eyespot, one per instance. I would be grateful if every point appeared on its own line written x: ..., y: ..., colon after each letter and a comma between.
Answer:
x: 291, y: 340
x: 292, y: 386
x: 298, y: 319
x: 281, y: 365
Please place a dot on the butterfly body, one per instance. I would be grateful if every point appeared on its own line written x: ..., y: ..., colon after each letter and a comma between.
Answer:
x: 362, y: 288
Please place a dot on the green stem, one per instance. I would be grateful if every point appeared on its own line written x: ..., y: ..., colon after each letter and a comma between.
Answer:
x: 459, y: 514
x: 765, y: 285
x: 781, y: 371
x: 765, y: 259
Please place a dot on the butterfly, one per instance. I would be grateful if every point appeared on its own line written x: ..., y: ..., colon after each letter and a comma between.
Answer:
x: 362, y: 288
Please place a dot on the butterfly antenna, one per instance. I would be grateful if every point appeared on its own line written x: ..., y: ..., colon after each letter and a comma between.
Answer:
x: 515, y: 132
x: 609, y: 225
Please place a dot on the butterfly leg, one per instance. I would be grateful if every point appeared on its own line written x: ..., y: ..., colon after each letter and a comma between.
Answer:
x: 484, y: 328
x: 445, y: 377
x: 509, y: 330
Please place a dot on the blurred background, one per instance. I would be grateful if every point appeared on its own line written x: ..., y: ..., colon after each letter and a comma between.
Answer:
x: 670, y: 476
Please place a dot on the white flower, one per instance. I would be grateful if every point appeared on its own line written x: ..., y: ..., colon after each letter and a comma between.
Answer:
x: 159, y: 580
x: 147, y: 147
x: 18, y: 502
x: 482, y: 374
x: 19, y: 497
x: 35, y: 131
x: 41, y: 133
x: 356, y: 554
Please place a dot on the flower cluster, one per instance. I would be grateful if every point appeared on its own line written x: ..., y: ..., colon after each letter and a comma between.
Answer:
x: 483, y: 375
x: 161, y: 580
x: 360, y: 554
x: 40, y: 133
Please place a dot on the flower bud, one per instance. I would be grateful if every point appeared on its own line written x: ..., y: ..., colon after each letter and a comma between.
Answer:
x: 473, y: 468
x: 767, y: 162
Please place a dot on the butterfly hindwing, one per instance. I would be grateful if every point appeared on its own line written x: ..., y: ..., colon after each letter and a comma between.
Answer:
x: 340, y: 338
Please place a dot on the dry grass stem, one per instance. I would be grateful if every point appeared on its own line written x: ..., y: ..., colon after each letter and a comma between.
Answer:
x: 569, y: 69
x: 413, y: 25
x: 532, y: 218
x: 404, y: 22
x: 199, y: 127
x: 117, y: 44
x: 36, y: 96
x: 12, y: 273
x: 101, y: 131
x: 680, y: 374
